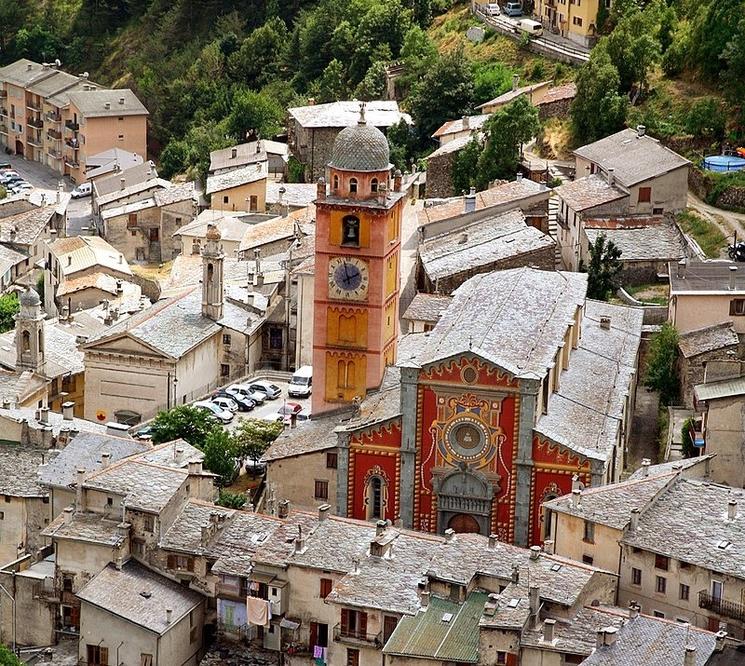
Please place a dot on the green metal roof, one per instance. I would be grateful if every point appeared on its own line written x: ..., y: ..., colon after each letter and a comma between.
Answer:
x: 722, y: 389
x: 428, y: 635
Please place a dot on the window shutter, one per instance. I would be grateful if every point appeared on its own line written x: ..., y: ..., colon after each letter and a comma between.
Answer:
x: 732, y: 307
x: 362, y: 624
x: 344, y: 620
x: 104, y: 656
x: 314, y: 633
x: 190, y: 564
x: 171, y: 564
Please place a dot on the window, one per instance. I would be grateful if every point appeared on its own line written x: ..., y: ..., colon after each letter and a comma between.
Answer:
x: 661, y: 562
x: 717, y: 589
x: 253, y: 203
x: 109, y: 501
x: 376, y: 498
x: 501, y: 657
x: 389, y: 626
x: 332, y: 459
x: 659, y: 614
x: 353, y: 186
x: 684, y: 593
x: 121, y: 119
x: 658, y: 211
x: 132, y: 232
x: 345, y: 374
x: 148, y: 523
x: 2, y: 515
x: 326, y: 584
x: 26, y: 344
x: 660, y: 584
x: 321, y: 490
x: 275, y: 337
x: 8, y: 498
x: 121, y: 137
x: 576, y: 20
x: 97, y: 655
x: 589, y: 536
x: 154, y: 234
x: 224, y: 370
x: 353, y: 657
x: 180, y: 562
x: 737, y: 306
x: 374, y: 185
x: 336, y: 183
x: 645, y: 195
x: 350, y: 231
x: 353, y: 623
x: 319, y: 634
x: 226, y: 199
x: 132, y: 220
x: 226, y: 339
x: 67, y: 584
x: 146, y: 659
x: 587, y: 559
x: 636, y: 576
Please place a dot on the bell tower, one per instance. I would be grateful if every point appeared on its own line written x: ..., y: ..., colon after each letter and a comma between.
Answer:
x: 30, y: 342
x: 212, y: 274
x: 358, y: 229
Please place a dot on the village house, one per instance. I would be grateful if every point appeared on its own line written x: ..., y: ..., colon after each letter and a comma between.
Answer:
x: 440, y: 166
x: 13, y: 265
x: 313, y: 129
x: 285, y: 198
x: 276, y: 235
x: 27, y: 232
x: 705, y: 293
x: 576, y: 22
x: 275, y: 154
x: 535, y: 92
x: 425, y: 311
x: 110, y: 161
x: 232, y: 225
x: 458, y: 130
x: 243, y: 189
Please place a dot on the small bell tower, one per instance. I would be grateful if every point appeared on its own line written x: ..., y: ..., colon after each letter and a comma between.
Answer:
x: 30, y: 342
x: 212, y: 274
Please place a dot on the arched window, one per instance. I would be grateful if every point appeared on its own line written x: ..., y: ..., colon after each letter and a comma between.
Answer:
x: 350, y: 231
x: 336, y: 183
x: 374, y: 185
x: 26, y: 344
x: 347, y: 328
x: 353, y: 186
x: 345, y: 374
x: 210, y: 272
x: 376, y: 498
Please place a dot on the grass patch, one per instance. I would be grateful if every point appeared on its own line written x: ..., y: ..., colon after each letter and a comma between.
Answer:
x: 649, y: 293
x: 709, y: 237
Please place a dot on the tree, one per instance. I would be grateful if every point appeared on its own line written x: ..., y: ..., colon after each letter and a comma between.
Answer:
x: 734, y: 76
x: 662, y: 375
x: 255, y: 113
x: 373, y: 85
x: 221, y: 455
x: 231, y: 500
x: 8, y: 310
x: 12, y: 19
x: 253, y: 437
x: 7, y: 658
x: 466, y: 165
x: 401, y: 141
x: 634, y: 47
x: 598, y: 109
x: 706, y: 118
x: 332, y: 86
x: 603, y: 270
x: 446, y: 91
x: 183, y: 422
x: 504, y: 133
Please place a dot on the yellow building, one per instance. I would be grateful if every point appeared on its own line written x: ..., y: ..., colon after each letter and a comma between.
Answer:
x: 243, y: 189
x: 574, y: 19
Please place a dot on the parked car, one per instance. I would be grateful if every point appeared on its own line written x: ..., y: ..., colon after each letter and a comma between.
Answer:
x: 82, y: 190
x: 244, y: 404
x: 274, y: 417
x: 513, y: 9
x: 9, y: 175
x: 301, y: 382
x: 271, y: 391
x: 145, y: 433
x: 226, y: 403
x: 532, y: 28
x: 5, y: 165
x: 21, y: 186
x: 492, y: 9
x: 285, y: 413
x: 224, y: 415
x: 243, y: 389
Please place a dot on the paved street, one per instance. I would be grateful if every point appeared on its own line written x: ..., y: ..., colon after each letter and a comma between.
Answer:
x: 79, y: 217
x: 44, y: 180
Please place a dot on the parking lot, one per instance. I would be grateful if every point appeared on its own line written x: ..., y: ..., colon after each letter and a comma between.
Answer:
x: 269, y: 407
x: 44, y: 180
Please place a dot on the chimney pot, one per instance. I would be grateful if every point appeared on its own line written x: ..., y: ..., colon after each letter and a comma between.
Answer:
x: 355, y: 565
x: 641, y: 130
x: 233, y: 153
x: 576, y: 497
x: 469, y: 201
x: 492, y: 541
x: 633, y: 609
x: 424, y: 598
x: 178, y: 455
x: 105, y: 459
x: 646, y: 463
x: 321, y: 189
x: 634, y: 524
x: 515, y: 81
x: 535, y: 552
x: 605, y: 323
x: 732, y: 276
x: 68, y: 514
x: 68, y: 409
x: 600, y: 638
x: 610, y: 635
x: 380, y: 527
x: 283, y: 509
x: 611, y: 176
x: 121, y: 100
x: 721, y: 636
x: 449, y: 534
x: 548, y: 630
x: 732, y: 509
x: 576, y: 485
x: 323, y: 512
x: 519, y: 177
x: 548, y: 546
x: 44, y: 414
x: 169, y: 615
x: 690, y: 656
x: 466, y: 122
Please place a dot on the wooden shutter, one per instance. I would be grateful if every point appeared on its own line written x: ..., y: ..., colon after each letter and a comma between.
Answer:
x: 313, y: 633
x: 104, y: 656
x: 344, y: 621
x: 732, y: 310
x: 190, y: 564
x: 325, y: 587
x: 171, y: 564
x: 362, y: 624
x: 389, y: 626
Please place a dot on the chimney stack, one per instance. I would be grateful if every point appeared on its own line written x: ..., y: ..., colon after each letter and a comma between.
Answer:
x: 633, y: 610
x: 68, y: 512
x: 122, y: 183
x: 548, y: 630
x: 610, y: 635
x: 534, y: 598
x: 605, y: 323
x: 68, y: 409
x: 178, y: 455
x: 646, y: 463
x: 519, y: 176
x: 575, y: 482
x: 105, y: 459
x: 576, y: 498
x: 283, y: 509
x: 117, y: 429
x: 634, y: 523
x: 321, y: 189
x: 535, y: 552
x: 611, y: 176
x: 355, y: 565
x: 492, y: 541
x: 205, y: 535
x: 682, y: 269
x: 515, y: 574
x: 397, y: 180
x: 121, y: 100
x: 641, y: 130
x: 299, y: 543
x: 721, y: 636
x: 732, y: 277
x: 195, y: 467
x: 690, y: 656
x: 424, y: 598
x: 449, y: 534
x: 469, y: 201
x: 169, y: 616
x: 79, y: 494
x: 600, y: 638
x: 548, y: 546
x: 732, y: 509
x: 233, y: 153
x: 44, y: 414
x: 323, y: 512
x: 466, y: 122
x: 380, y: 528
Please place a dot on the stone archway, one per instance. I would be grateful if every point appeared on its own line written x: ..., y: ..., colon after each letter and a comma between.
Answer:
x: 463, y: 523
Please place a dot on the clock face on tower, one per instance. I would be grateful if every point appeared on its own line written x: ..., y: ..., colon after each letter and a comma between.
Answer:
x: 348, y: 278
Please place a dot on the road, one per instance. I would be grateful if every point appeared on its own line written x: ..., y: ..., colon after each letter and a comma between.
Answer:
x: 731, y: 224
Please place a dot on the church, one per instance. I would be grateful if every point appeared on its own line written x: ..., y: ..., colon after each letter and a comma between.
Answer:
x: 522, y: 390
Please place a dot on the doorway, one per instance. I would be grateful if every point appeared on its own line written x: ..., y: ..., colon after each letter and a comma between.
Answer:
x: 463, y: 523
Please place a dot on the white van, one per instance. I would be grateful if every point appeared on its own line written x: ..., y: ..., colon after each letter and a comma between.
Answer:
x: 533, y: 28
x: 301, y: 382
x: 82, y: 190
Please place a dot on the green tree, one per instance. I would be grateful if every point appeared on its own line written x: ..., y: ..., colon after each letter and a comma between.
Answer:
x: 688, y: 449
x: 254, y: 113
x: 221, y: 455
x: 373, y: 85
x: 706, y: 118
x: 598, y: 109
x: 253, y: 437
x: 465, y: 165
x: 231, y: 500
x: 662, y: 374
x: 332, y: 86
x: 504, y: 133
x: 713, y: 29
x: 8, y: 310
x: 401, y: 141
x: 604, y: 269
x: 734, y: 76
x: 258, y: 60
x: 491, y: 80
x: 183, y: 422
x: 7, y: 658
x: 12, y: 18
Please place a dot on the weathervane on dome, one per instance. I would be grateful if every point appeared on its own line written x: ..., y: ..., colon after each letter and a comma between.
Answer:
x: 362, y: 120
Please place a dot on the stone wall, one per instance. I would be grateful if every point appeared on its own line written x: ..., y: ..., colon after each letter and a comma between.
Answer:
x: 440, y: 176
x: 691, y: 370
x: 557, y: 109
x: 702, y: 184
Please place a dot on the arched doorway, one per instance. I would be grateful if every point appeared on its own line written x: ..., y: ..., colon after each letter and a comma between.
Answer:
x: 462, y: 523
x: 19, y: 147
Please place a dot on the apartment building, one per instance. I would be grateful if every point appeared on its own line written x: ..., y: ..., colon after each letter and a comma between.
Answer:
x: 58, y: 119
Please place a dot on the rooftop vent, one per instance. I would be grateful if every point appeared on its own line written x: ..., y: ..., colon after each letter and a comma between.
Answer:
x: 446, y: 617
x: 146, y: 594
x: 605, y: 323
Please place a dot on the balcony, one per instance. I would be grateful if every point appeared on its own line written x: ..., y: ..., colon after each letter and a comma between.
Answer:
x: 35, y: 122
x: 53, y: 117
x: 54, y: 134
x: 55, y: 154
x: 352, y: 637
x: 71, y: 162
x: 3, y: 111
x: 3, y: 93
x: 34, y: 106
x: 72, y: 143
x: 730, y: 609
x: 33, y: 140
x: 72, y: 126
x: 3, y: 128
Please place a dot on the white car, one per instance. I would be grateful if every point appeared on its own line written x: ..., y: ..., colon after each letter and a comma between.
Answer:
x: 23, y: 186
x: 226, y: 404
x: 243, y: 389
x: 82, y: 190
x: 492, y: 9
x: 224, y: 415
x: 271, y: 391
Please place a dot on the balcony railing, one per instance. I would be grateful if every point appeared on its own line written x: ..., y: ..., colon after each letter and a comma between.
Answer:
x: 35, y: 122
x: 33, y: 106
x: 72, y: 126
x: 71, y: 162
x: 34, y: 140
x: 54, y: 134
x: 53, y: 117
x: 721, y: 606
x: 56, y: 154
x: 3, y: 128
x: 353, y: 637
x: 73, y: 143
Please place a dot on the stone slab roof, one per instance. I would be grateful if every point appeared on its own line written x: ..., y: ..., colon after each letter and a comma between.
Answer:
x: 19, y: 467
x: 379, y: 113
x: 426, y: 635
x: 25, y: 228
x: 185, y: 533
x: 56, y: 423
x: 79, y: 253
x: 244, y: 534
x: 659, y: 242
x: 103, y: 103
x: 277, y: 549
x: 589, y: 192
x: 673, y: 466
x: 175, y: 194
x: 9, y: 258
x: 707, y: 277
x: 134, y: 175
x: 378, y: 406
x: 513, y: 318
x: 708, y: 339
x: 231, y: 227
x: 611, y: 505
x: 472, y: 124
x: 295, y: 195
x: 514, y: 93
x: 316, y: 435
x: 140, y: 596
x: 244, y: 175
x: 334, y: 543
x: 246, y: 153
x: 452, y: 146
x: 481, y: 243
x: 504, y: 193
x: 90, y: 527
x: 108, y: 161
x: 18, y: 387
x: 176, y: 454
x: 634, y: 158
x: 269, y: 231
x: 692, y: 514
x: 427, y: 307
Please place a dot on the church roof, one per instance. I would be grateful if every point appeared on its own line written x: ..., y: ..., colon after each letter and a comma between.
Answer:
x: 361, y: 148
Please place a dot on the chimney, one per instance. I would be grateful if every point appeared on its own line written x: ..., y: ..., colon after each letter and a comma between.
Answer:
x: 682, y: 264
x: 633, y: 610
x: 610, y: 635
x: 469, y: 201
x: 68, y: 514
x: 641, y: 130
x: 634, y: 524
x: 29, y: 67
x: 117, y: 429
x: 611, y: 176
x: 690, y: 656
x: 105, y: 459
x: 732, y: 277
x: 646, y: 463
x: 605, y: 323
x: 107, y: 106
x: 321, y: 189
x: 123, y: 530
x: 519, y: 177
x: 299, y: 543
x: 721, y: 636
x: 323, y: 512
x: 515, y: 574
x: 122, y: 183
x: 121, y: 100
x: 576, y: 498
x: 548, y: 630
x: 380, y: 528
x: 118, y: 563
x: 258, y: 146
x: 548, y: 546
x: 355, y: 565
x: 233, y: 153
x: 204, y: 535
x: 382, y: 193
x: 732, y: 509
x: 600, y: 638
x: 535, y: 552
x: 195, y: 467
x: 534, y: 598
x: 169, y: 616
x: 79, y: 494
x: 449, y: 534
x: 515, y: 81
x: 424, y: 598
x: 575, y: 482
x: 397, y: 178
x: 466, y: 122
x: 283, y: 509
x: 68, y: 409
x: 492, y: 541
x: 44, y: 414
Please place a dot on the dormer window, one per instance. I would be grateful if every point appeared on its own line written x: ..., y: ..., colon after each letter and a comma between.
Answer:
x: 353, y: 186
x: 374, y: 185
x: 350, y: 232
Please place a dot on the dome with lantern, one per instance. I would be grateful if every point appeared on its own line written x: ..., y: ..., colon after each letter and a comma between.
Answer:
x: 361, y: 148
